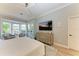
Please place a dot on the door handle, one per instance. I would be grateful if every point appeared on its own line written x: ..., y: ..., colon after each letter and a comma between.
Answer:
x: 70, y: 35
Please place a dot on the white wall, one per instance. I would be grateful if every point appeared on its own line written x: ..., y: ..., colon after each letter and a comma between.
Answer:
x: 60, y: 24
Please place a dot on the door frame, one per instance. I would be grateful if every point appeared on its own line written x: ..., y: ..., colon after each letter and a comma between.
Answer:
x: 75, y: 16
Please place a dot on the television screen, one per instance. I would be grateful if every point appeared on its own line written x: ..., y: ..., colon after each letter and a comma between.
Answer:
x: 47, y: 25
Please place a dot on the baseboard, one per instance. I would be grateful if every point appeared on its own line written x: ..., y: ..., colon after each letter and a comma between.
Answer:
x: 58, y: 44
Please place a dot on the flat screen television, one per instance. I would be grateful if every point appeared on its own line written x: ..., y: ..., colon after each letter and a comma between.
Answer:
x: 46, y: 25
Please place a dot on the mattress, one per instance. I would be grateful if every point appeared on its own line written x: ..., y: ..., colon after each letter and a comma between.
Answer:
x: 23, y: 46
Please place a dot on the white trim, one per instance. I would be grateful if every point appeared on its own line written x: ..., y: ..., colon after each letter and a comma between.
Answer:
x: 60, y: 45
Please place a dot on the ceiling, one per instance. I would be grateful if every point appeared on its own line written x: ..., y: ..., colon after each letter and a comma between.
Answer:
x: 21, y: 12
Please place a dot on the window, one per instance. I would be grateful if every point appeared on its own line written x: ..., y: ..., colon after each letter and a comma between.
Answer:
x: 15, y: 28
x: 6, y: 26
x: 30, y: 27
x: 23, y: 27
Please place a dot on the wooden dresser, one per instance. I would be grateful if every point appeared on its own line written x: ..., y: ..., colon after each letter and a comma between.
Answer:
x: 45, y: 37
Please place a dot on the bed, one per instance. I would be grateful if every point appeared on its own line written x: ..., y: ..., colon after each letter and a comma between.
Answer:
x: 23, y: 46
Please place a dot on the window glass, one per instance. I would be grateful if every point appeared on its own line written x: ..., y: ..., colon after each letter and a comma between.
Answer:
x: 6, y: 27
x: 23, y: 27
x: 29, y: 27
x: 15, y: 29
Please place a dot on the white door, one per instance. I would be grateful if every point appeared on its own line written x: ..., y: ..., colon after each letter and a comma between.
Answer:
x: 73, y: 33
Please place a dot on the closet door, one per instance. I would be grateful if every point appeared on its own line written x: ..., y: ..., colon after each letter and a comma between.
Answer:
x: 73, y: 33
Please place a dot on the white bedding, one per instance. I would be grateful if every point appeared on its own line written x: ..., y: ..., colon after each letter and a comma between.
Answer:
x: 21, y: 47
